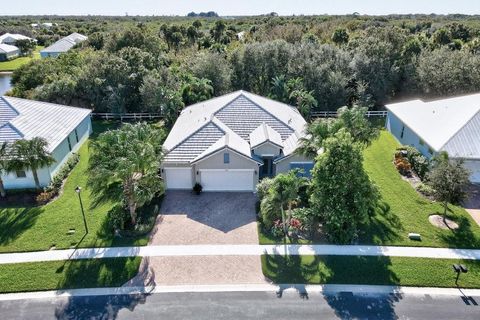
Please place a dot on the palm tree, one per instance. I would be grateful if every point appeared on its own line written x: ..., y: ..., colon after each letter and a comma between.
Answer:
x: 4, y: 166
x: 31, y: 155
x: 316, y: 133
x: 124, y: 165
x: 284, y: 191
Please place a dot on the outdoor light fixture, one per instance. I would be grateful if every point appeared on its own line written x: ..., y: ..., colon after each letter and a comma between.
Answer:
x: 459, y: 268
x: 255, y: 172
x: 78, y: 189
x: 197, y: 172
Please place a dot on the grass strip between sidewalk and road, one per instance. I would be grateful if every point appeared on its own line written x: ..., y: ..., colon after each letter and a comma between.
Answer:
x: 73, y: 274
x: 420, y: 272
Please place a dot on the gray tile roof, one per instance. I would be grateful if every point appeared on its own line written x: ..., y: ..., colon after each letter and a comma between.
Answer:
x: 53, y: 122
x: 237, y: 115
x: 243, y: 116
x: 197, y: 143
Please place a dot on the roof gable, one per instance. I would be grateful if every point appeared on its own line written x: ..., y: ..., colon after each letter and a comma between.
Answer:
x: 466, y: 142
x: 264, y: 133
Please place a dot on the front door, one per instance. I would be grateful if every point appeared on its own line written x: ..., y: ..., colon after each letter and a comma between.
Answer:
x: 267, y: 167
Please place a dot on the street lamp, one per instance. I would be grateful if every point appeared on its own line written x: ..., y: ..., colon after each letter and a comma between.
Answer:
x: 78, y: 190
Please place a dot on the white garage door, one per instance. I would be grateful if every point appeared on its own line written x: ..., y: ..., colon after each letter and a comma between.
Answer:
x: 178, y: 178
x: 227, y: 180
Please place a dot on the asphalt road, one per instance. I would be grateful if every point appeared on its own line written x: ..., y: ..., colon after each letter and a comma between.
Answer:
x: 245, y: 305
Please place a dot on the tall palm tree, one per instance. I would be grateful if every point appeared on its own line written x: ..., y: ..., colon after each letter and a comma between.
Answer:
x: 284, y: 191
x: 4, y: 165
x: 124, y: 165
x: 31, y: 155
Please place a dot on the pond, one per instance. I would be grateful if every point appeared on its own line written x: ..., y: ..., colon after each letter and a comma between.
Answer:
x: 5, y: 84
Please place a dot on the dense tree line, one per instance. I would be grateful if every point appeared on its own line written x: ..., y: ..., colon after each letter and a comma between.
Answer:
x: 316, y: 63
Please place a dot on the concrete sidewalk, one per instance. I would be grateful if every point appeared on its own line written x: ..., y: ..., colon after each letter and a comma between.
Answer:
x: 239, y: 250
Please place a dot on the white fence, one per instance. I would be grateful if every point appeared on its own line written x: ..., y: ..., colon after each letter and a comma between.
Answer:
x: 151, y: 116
x: 127, y: 116
x: 333, y: 114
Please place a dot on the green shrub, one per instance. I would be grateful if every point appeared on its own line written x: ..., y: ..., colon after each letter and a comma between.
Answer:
x: 306, y: 218
x: 425, y: 189
x: 54, y: 188
x: 420, y: 164
x: 262, y: 188
x: 269, y: 211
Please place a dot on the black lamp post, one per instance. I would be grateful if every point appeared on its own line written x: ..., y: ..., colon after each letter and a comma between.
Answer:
x: 78, y: 190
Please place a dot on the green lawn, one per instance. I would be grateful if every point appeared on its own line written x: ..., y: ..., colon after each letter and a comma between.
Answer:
x: 39, y: 228
x: 14, y: 64
x: 111, y: 272
x: 402, y: 209
x: 369, y: 270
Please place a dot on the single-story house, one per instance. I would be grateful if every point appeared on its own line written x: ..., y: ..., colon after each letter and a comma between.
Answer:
x: 62, y: 45
x: 451, y: 125
x: 12, y: 38
x: 64, y: 128
x: 8, y: 52
x: 228, y: 143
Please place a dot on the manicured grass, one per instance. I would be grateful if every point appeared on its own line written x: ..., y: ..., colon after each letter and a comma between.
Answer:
x: 111, y: 272
x: 402, y: 210
x: 39, y: 228
x: 14, y: 64
x: 369, y: 270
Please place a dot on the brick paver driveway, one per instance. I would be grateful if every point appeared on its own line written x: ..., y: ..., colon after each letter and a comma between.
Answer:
x: 209, y: 218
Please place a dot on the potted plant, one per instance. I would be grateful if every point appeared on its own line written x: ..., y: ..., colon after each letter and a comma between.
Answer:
x: 197, y: 188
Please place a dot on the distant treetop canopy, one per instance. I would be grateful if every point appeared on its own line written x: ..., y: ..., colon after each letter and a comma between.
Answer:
x: 209, y: 14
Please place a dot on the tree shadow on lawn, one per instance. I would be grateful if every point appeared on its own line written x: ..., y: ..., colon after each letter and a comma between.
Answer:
x: 338, y: 270
x: 463, y: 237
x: 15, y: 221
x: 111, y: 272
x: 384, y: 226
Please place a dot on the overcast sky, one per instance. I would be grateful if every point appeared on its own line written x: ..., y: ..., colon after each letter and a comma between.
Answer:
x: 235, y: 7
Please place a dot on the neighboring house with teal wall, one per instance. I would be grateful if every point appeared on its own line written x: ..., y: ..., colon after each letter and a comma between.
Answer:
x: 63, y: 45
x: 64, y: 128
x: 8, y: 52
x: 451, y: 125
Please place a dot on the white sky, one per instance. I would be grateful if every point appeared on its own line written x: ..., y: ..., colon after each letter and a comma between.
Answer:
x: 239, y: 7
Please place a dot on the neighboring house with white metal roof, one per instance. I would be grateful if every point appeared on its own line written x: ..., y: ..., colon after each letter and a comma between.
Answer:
x: 451, y: 125
x: 64, y: 128
x: 12, y: 38
x: 63, y: 45
x: 8, y: 52
x: 229, y: 142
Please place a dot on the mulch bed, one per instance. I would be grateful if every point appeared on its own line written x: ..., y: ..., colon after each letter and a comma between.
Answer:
x: 25, y: 198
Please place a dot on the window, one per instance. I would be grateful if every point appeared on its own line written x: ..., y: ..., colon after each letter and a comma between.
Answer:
x: 69, y: 144
x: 21, y: 174
x: 421, y: 142
x: 403, y: 130
x: 76, y: 134
x: 226, y: 158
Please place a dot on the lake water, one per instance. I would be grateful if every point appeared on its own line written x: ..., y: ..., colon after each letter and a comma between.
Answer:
x: 5, y: 83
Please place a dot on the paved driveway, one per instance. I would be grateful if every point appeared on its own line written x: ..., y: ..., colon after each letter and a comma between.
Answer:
x: 209, y: 218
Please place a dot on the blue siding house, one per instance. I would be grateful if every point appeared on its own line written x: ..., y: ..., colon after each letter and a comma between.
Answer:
x: 64, y: 128
x: 451, y: 125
